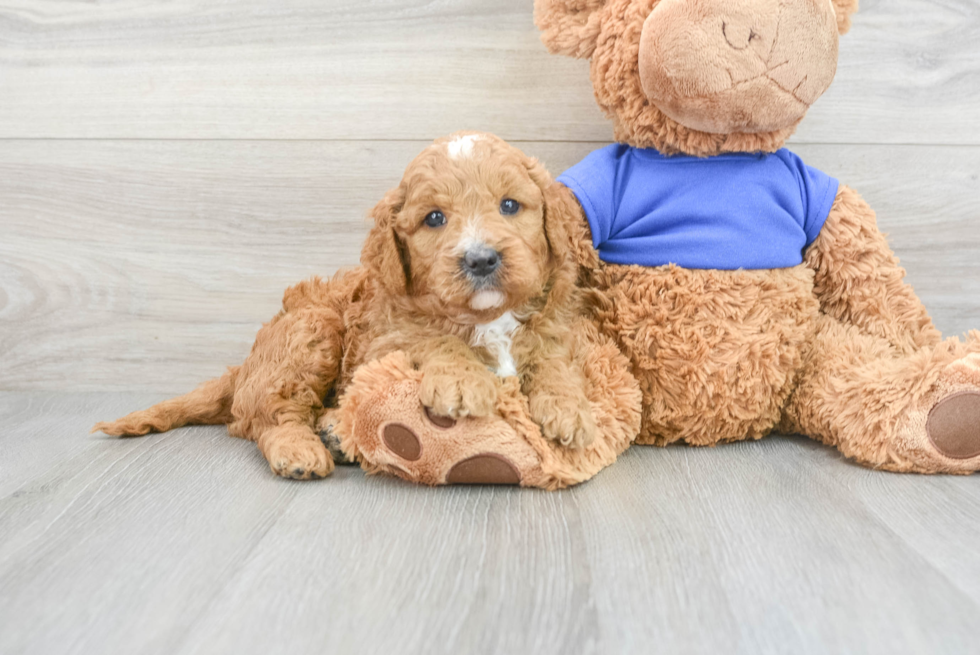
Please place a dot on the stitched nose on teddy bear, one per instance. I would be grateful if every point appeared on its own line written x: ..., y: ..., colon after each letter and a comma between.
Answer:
x: 724, y: 66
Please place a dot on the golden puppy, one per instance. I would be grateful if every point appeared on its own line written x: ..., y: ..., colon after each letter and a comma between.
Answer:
x: 463, y: 270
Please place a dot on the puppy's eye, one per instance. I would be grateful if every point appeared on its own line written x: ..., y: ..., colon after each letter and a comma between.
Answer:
x: 435, y: 219
x: 509, y: 207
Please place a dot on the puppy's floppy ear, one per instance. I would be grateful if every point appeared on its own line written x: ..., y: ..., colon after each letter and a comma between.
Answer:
x: 383, y: 254
x: 570, y: 27
x: 565, y: 225
x: 844, y: 9
x: 559, y: 224
x: 554, y: 229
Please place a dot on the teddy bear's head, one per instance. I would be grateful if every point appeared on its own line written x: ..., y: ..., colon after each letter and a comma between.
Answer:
x: 701, y: 76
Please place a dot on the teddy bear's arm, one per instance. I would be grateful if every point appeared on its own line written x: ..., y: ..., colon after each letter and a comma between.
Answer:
x: 859, y: 281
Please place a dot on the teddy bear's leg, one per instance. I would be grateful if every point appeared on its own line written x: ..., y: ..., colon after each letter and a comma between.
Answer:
x: 916, y: 412
x: 384, y: 425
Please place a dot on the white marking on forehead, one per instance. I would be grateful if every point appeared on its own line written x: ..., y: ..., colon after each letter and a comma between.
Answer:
x: 472, y: 236
x: 462, y: 146
x: 498, y: 338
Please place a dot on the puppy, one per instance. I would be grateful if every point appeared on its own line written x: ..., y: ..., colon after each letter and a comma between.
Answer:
x: 464, y: 270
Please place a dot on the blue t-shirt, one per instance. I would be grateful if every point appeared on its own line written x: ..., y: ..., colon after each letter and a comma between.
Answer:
x: 751, y: 211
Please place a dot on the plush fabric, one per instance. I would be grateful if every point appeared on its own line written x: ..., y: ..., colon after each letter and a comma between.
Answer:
x: 609, y: 33
x: 745, y: 210
x: 731, y: 66
x: 836, y: 346
x: 385, y: 394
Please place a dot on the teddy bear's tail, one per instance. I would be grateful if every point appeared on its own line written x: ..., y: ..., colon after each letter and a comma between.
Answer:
x: 209, y: 404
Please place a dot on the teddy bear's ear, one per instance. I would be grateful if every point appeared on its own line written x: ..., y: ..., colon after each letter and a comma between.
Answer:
x: 382, y: 253
x: 571, y: 27
x: 844, y: 9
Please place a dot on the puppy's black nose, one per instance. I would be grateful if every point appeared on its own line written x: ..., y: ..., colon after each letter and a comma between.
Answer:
x: 481, y: 262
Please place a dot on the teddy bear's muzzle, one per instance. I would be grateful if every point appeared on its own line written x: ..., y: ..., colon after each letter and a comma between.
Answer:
x: 724, y: 66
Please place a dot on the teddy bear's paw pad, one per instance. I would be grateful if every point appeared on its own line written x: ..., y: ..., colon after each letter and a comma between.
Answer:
x: 402, y: 441
x: 954, y: 425
x: 444, y: 422
x: 488, y: 468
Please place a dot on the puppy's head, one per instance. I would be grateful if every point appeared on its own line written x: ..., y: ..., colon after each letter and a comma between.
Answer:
x: 466, y: 233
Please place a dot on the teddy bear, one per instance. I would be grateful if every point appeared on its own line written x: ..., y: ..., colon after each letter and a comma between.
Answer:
x: 750, y: 292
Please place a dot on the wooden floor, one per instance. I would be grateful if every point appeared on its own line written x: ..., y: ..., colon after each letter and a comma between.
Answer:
x: 185, y: 543
x: 168, y: 168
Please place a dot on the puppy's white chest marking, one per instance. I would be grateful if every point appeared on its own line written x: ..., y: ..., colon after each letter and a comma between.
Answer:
x: 498, y: 338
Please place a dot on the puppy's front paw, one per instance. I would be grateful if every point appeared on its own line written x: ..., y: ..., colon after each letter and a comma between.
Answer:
x: 296, y: 452
x: 459, y: 392
x: 568, y: 421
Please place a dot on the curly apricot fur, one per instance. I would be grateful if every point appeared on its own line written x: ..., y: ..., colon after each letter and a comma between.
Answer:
x: 409, y: 295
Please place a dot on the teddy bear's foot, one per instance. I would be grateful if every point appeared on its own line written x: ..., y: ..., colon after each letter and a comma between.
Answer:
x: 946, y: 423
x: 395, y: 434
x: 441, y: 434
x: 953, y: 425
x: 384, y: 425
x: 953, y: 422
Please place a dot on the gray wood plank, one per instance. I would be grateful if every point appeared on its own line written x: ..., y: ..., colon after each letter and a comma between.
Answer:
x: 185, y: 543
x: 116, y: 547
x: 42, y: 431
x: 150, y: 265
x: 399, y: 69
x: 746, y: 549
x: 922, y: 514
